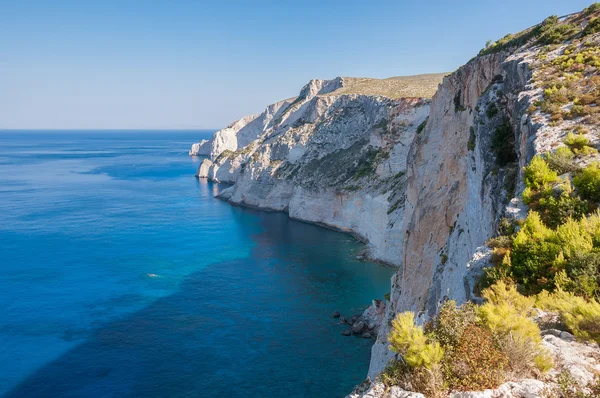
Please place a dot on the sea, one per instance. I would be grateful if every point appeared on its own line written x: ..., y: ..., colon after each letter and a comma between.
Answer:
x: 121, y: 275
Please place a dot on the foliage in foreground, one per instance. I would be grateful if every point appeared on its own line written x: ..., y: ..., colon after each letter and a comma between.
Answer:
x: 581, y: 316
x: 559, y: 242
x: 468, y: 347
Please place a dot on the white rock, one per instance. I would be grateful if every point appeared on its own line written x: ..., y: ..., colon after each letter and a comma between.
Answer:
x: 378, y: 390
x: 528, y: 388
x: 580, y: 360
x: 201, y: 148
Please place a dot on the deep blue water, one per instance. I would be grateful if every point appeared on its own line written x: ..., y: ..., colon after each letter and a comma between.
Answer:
x: 121, y: 275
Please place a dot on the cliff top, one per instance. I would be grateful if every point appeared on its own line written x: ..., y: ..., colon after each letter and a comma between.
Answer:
x: 423, y: 86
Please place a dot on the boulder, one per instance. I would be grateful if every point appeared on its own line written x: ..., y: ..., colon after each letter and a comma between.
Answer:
x: 358, y: 327
x: 366, y: 335
x: 336, y: 314
x: 346, y: 332
x: 527, y: 388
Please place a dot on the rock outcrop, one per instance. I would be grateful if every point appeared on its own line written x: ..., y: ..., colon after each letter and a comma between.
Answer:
x: 201, y: 148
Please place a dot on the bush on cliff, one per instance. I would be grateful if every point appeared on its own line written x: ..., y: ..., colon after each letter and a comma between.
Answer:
x: 587, y: 181
x: 580, y: 315
x: 561, y: 161
x: 468, y: 347
x: 507, y: 314
x: 413, y: 344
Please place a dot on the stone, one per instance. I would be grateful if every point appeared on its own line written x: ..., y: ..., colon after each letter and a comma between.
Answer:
x: 336, y: 314
x: 358, y: 327
x: 527, y: 388
x: 366, y: 335
x: 567, y: 336
x: 552, y: 332
x: 397, y: 392
x: 346, y: 332
x: 582, y: 361
x: 343, y: 320
x: 372, y: 325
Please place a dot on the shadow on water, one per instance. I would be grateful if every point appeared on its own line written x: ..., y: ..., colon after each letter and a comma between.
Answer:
x: 259, y: 326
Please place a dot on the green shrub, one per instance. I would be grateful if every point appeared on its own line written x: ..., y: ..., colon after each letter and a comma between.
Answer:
x: 591, y: 9
x: 506, y: 313
x: 421, y: 126
x: 538, y: 174
x: 491, y: 110
x: 592, y: 27
x: 501, y: 241
x: 395, y: 373
x: 533, y: 254
x: 580, y: 315
x: 428, y: 382
x: 560, y: 206
x: 587, y: 182
x: 577, y: 142
x: 550, y: 196
x: 449, y: 325
x: 410, y: 341
x: 467, y: 347
x: 556, y: 33
x: 561, y: 161
x: 472, y: 139
x: 503, y: 144
x: 583, y: 275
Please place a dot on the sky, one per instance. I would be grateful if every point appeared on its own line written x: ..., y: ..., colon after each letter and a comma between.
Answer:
x: 122, y: 64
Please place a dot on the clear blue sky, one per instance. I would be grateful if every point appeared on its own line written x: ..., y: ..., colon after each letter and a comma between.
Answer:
x: 202, y: 64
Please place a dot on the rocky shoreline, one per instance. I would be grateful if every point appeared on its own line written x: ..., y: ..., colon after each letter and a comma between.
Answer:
x: 365, y: 325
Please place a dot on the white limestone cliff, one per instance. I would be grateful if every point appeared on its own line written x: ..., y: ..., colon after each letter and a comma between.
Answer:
x: 201, y: 148
x: 425, y: 199
x: 334, y: 160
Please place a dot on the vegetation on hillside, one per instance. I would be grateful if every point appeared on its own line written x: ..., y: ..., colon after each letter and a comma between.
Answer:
x: 419, y: 86
x: 552, y: 30
x: 549, y: 261
x: 468, y: 347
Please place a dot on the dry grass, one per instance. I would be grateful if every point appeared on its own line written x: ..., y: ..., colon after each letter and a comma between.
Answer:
x: 423, y: 86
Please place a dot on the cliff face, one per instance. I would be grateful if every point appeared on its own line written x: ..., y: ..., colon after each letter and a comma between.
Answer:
x: 423, y: 182
x: 457, y: 187
x: 335, y: 160
x: 418, y: 180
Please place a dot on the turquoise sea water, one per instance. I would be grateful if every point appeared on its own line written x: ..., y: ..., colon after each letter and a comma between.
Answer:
x: 121, y: 275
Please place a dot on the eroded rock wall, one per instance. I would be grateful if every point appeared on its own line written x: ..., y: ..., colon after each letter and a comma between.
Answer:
x: 335, y: 160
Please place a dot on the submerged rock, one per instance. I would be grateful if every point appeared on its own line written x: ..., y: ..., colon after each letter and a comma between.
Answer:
x: 336, y: 314
x: 346, y: 332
